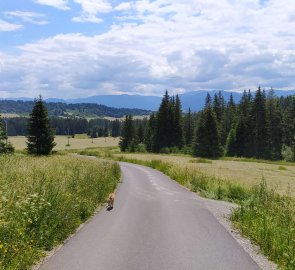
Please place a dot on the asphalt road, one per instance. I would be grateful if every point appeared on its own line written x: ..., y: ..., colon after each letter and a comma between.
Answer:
x: 155, y: 225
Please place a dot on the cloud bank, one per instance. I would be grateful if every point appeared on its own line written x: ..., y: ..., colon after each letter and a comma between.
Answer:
x: 150, y: 46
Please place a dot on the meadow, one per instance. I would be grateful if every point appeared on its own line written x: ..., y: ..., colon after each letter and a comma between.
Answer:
x: 44, y: 199
x: 278, y: 175
x: 81, y: 141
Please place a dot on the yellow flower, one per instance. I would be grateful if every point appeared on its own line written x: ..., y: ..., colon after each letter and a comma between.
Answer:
x: 1, y: 246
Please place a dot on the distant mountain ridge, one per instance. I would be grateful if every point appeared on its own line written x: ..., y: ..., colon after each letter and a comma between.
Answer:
x: 194, y: 100
x: 87, y: 110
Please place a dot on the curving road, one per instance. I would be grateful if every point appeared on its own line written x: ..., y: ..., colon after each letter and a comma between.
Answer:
x: 155, y: 224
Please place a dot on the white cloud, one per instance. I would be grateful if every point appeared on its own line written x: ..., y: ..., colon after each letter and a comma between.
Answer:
x: 27, y: 16
x: 163, y: 44
x: 90, y: 9
x: 59, y: 4
x: 7, y: 27
x: 124, y: 6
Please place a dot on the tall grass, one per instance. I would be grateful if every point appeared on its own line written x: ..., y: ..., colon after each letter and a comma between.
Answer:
x: 43, y: 200
x: 269, y: 220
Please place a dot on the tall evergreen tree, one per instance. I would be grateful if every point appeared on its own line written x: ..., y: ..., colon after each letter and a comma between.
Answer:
x: 162, y: 136
x: 3, y: 137
x: 178, y: 124
x: 289, y: 121
x: 40, y: 138
x: 128, y: 134
x: 207, y: 138
x: 189, y: 128
x: 140, y: 133
x: 150, y: 133
x: 261, y: 136
x: 274, y: 119
x: 227, y: 120
x: 5, y: 146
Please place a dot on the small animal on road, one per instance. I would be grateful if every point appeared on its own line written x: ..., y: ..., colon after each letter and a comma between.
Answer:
x: 110, y: 203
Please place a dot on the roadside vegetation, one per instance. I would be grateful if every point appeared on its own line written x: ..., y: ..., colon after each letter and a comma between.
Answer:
x: 44, y: 199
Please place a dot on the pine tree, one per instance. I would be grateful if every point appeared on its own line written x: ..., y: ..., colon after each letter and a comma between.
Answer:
x: 162, y: 136
x: 207, y: 138
x: 150, y: 132
x: 227, y: 121
x: 217, y: 107
x: 274, y: 119
x: 5, y: 147
x: 40, y: 138
x: 128, y: 134
x: 178, y: 124
x: 3, y: 137
x: 189, y: 128
x: 140, y: 133
x: 244, y: 128
x: 261, y: 136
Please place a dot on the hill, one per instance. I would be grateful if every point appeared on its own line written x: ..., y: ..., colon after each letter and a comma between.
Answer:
x: 87, y: 110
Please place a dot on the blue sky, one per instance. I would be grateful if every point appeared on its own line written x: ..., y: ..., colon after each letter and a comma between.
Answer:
x: 78, y: 48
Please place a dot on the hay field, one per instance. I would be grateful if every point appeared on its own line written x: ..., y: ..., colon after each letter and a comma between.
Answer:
x: 80, y: 142
x: 280, y: 177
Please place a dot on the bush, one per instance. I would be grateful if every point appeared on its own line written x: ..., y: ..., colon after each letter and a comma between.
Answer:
x: 288, y: 154
x: 141, y: 148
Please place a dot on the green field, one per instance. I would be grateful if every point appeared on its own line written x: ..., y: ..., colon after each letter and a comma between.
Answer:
x: 44, y: 199
x: 280, y: 176
x: 79, y: 142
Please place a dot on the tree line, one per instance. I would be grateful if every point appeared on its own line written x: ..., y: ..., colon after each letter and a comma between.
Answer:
x: 17, y: 126
x: 260, y: 126
x: 82, y: 110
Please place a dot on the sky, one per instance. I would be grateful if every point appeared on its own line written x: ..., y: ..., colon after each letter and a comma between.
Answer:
x: 80, y: 48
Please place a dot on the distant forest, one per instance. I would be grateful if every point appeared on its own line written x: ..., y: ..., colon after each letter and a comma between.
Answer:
x: 17, y: 126
x: 260, y: 126
x: 86, y: 110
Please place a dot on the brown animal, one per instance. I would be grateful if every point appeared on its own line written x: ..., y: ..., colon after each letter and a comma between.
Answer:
x: 111, y: 200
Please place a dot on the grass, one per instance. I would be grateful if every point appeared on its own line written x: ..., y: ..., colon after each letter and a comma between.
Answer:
x: 79, y: 142
x: 235, y: 171
x: 43, y: 200
x: 264, y: 216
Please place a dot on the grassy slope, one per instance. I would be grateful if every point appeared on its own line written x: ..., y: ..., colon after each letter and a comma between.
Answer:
x: 43, y: 200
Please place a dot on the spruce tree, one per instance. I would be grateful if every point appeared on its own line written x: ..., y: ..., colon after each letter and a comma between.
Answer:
x: 3, y: 137
x: 261, y: 136
x: 274, y: 119
x: 140, y: 133
x: 40, y: 138
x: 188, y: 128
x: 178, y: 124
x: 227, y: 121
x: 162, y: 136
x: 207, y: 137
x: 150, y: 133
x: 5, y: 146
x: 128, y: 134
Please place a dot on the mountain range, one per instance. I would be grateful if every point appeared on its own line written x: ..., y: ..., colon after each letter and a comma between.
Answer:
x: 194, y: 100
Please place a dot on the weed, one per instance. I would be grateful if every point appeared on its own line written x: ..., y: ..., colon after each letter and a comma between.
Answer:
x: 43, y: 200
